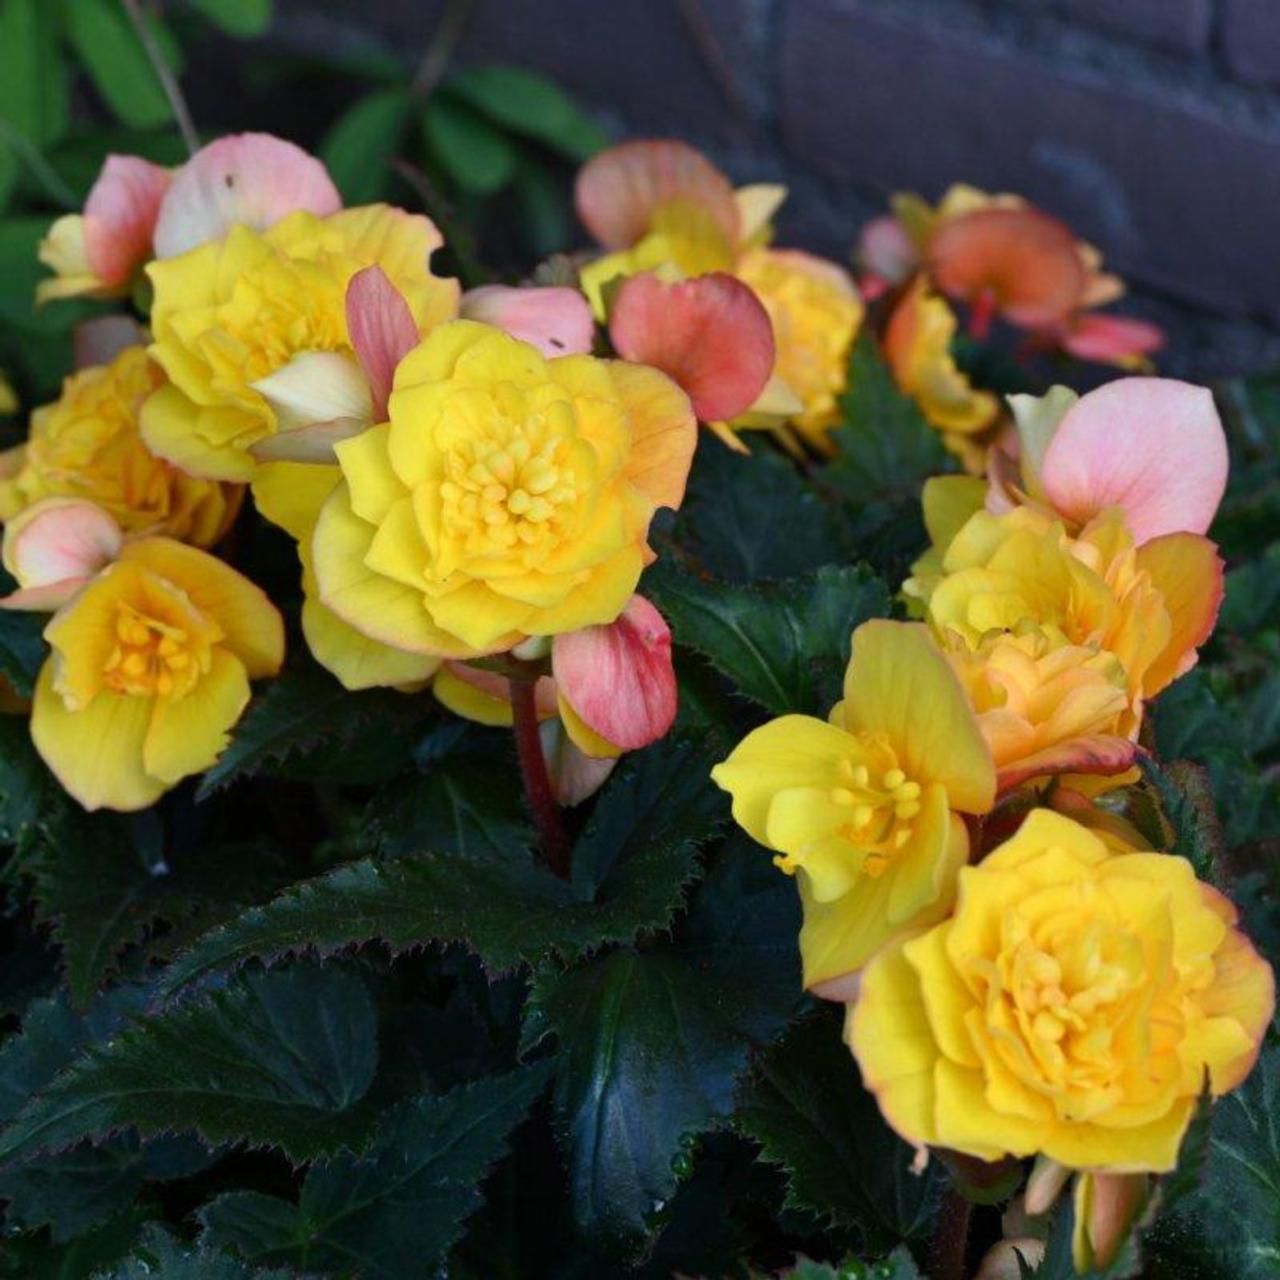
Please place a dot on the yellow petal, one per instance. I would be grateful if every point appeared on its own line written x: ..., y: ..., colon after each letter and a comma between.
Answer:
x: 587, y: 741
x: 664, y: 432
x: 366, y: 466
x: 469, y: 702
x: 899, y: 684
x: 171, y: 427
x: 95, y: 753
x: 290, y: 494
x: 187, y: 735
x: 252, y: 625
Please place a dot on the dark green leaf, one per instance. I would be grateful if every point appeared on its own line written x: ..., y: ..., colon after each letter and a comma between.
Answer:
x: 722, y: 519
x: 451, y: 808
x: 394, y: 1213
x: 358, y: 150
x: 29, y: 796
x: 651, y: 1043
x: 810, y: 1115
x: 91, y: 1254
x: 244, y: 18
x: 110, y: 49
x: 305, y: 708
x: 528, y: 104
x: 1190, y: 826
x: 160, y: 1257
x: 504, y: 905
x: 785, y: 645
x: 279, y: 1059
x: 469, y: 149
x: 22, y: 648
x: 542, y: 206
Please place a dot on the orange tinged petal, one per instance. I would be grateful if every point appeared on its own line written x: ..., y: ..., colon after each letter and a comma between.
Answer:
x: 1188, y: 572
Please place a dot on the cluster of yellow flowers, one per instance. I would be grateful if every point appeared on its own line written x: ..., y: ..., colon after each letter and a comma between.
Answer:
x: 1064, y: 992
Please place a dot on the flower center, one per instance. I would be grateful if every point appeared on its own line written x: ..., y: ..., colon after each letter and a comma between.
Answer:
x: 882, y: 808
x: 512, y: 487
x: 150, y: 657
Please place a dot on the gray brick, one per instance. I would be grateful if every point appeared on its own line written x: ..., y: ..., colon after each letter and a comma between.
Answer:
x: 640, y: 58
x: 1175, y: 196
x: 1251, y: 39
x: 1178, y: 25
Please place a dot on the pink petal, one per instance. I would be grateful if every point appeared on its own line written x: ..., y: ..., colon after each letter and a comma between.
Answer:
x: 249, y: 178
x: 382, y: 331
x: 886, y: 251
x: 57, y: 539
x: 711, y: 335
x: 100, y: 340
x: 46, y: 599
x: 618, y: 190
x: 575, y: 776
x: 844, y: 989
x: 120, y: 216
x: 1099, y: 753
x: 557, y: 321
x: 619, y: 678
x: 1152, y: 446
x: 498, y: 686
x: 1111, y: 339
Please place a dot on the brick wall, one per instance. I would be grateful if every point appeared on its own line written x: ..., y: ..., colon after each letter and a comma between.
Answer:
x: 1153, y: 126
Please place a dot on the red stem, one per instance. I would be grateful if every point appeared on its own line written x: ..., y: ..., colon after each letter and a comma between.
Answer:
x: 537, y: 784
x: 951, y: 1237
x: 982, y: 311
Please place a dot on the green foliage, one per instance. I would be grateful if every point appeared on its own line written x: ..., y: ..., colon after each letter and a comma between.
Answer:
x: 807, y: 1110
x: 395, y: 1211
x: 22, y: 651
x: 361, y: 145
x: 785, y: 645
x: 276, y: 1060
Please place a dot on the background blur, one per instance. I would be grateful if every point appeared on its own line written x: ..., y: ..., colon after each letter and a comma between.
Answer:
x: 1151, y: 126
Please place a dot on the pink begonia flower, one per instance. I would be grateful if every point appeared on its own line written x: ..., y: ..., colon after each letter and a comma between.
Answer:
x: 556, y: 320
x: 886, y: 254
x: 97, y: 253
x: 711, y: 335
x: 323, y: 397
x: 1152, y: 446
x: 1116, y: 340
x: 618, y: 678
x: 53, y: 548
x: 248, y: 178
x: 619, y: 190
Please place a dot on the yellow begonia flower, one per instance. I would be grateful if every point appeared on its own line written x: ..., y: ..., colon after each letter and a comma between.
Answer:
x: 815, y: 311
x: 1020, y: 572
x: 1073, y: 1005
x: 87, y: 445
x: 235, y: 311
x: 918, y: 349
x: 291, y: 495
x: 865, y: 808
x: 509, y: 496
x: 150, y: 669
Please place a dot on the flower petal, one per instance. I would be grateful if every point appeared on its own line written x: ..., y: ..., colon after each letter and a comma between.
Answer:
x: 57, y: 539
x: 1118, y: 340
x: 100, y: 339
x: 664, y: 432
x: 619, y: 678
x: 248, y: 178
x: 712, y: 335
x: 382, y: 331
x: 558, y: 321
x: 317, y: 386
x: 96, y: 752
x: 619, y: 190
x: 1152, y: 446
x: 188, y: 734
x: 886, y: 251
x: 574, y: 776
x: 1188, y: 572
x: 120, y: 216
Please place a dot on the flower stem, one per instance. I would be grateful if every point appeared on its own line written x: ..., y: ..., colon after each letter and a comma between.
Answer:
x: 537, y: 784
x: 168, y: 82
x: 951, y: 1237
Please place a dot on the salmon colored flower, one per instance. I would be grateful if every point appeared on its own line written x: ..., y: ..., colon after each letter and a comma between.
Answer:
x: 1074, y: 1005
x: 87, y: 445
x: 1150, y: 607
x: 99, y: 253
x: 917, y: 346
x: 233, y: 313
x: 611, y: 689
x: 710, y: 335
x: 865, y: 808
x: 1153, y: 447
x: 149, y: 670
x: 509, y: 496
